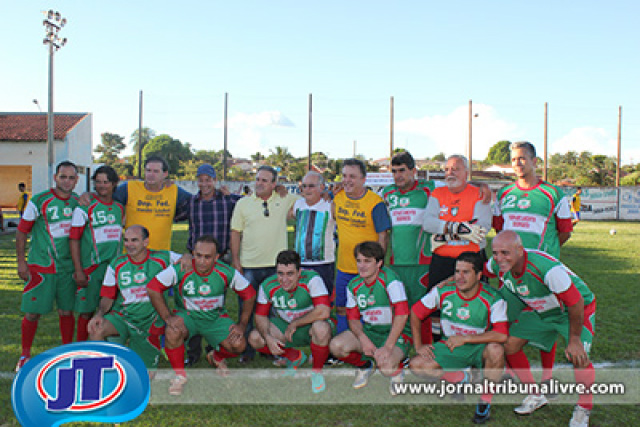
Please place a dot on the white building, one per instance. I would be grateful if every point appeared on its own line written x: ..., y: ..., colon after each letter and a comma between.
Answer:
x: 23, y: 150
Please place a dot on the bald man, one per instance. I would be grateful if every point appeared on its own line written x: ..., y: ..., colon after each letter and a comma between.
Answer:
x: 558, y: 303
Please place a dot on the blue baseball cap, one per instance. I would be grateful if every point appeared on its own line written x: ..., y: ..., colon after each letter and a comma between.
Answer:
x: 206, y: 169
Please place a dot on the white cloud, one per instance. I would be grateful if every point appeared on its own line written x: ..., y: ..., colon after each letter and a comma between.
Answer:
x: 592, y: 139
x: 257, y: 120
x: 450, y: 133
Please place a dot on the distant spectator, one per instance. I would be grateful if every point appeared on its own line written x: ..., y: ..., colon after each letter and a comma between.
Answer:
x: 575, y: 205
x: 22, y: 199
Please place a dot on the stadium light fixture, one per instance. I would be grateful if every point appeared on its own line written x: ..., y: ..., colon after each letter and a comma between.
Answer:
x: 52, y: 24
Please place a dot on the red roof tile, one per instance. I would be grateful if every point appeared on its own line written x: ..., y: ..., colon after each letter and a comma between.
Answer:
x: 33, y: 126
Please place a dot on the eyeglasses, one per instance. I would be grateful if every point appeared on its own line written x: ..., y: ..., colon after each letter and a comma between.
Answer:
x: 308, y: 185
x: 266, y: 208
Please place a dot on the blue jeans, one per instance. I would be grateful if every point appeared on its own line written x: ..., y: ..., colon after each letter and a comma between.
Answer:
x: 255, y: 276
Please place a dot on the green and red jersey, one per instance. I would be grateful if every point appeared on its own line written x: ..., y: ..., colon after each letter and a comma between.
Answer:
x: 410, y: 244
x: 126, y: 282
x: 202, y: 295
x: 377, y: 303
x: 546, y: 285
x: 289, y: 306
x: 537, y: 214
x: 483, y: 312
x: 99, y: 229
x: 48, y: 218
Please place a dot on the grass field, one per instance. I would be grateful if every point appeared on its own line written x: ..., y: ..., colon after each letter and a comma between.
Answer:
x: 609, y: 264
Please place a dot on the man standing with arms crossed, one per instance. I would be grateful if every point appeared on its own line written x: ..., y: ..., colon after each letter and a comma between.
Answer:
x: 200, y: 301
x: 95, y: 239
x: 47, y: 273
x: 540, y: 214
x: 259, y: 233
x: 559, y: 303
x: 360, y: 215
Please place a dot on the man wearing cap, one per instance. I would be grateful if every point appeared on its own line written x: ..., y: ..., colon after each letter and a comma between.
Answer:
x: 209, y: 213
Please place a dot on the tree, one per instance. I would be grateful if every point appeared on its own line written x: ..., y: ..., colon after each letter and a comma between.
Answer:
x: 499, y: 153
x: 172, y: 150
x: 440, y: 157
x: 258, y: 156
x: 110, y: 147
x: 147, y: 135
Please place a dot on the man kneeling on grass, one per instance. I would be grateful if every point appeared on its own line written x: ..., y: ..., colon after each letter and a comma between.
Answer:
x: 377, y: 311
x: 200, y: 298
x: 474, y: 323
x: 301, y: 304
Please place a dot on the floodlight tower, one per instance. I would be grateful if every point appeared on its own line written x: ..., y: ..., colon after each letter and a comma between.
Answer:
x: 52, y: 23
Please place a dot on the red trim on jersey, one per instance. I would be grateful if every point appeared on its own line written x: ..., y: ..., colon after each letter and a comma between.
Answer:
x: 152, y: 255
x: 564, y: 225
x: 25, y: 226
x: 247, y: 293
x: 156, y: 285
x: 487, y: 272
x: 76, y: 232
x: 353, y: 313
x: 589, y: 310
x: 110, y: 292
x: 420, y: 310
x: 444, y: 295
x: 501, y: 327
x: 400, y: 308
x: 321, y: 300
x: 570, y: 297
x: 263, y: 309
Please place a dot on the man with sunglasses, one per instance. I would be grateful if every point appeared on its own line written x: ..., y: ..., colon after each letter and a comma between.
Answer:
x: 259, y: 233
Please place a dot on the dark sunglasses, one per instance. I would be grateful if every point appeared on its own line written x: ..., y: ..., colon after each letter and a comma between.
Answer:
x: 266, y: 208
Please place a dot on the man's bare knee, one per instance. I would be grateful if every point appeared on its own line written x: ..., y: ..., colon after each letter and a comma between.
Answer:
x: 321, y: 332
x: 256, y: 340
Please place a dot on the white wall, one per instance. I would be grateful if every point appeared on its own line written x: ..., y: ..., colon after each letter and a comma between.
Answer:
x: 77, y: 148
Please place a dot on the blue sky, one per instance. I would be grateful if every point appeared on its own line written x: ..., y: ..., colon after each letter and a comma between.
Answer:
x: 509, y: 57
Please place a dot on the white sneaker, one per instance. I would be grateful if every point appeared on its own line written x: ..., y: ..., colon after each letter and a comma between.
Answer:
x: 176, y: 385
x: 530, y: 404
x: 580, y: 417
x: 362, y: 376
x: 394, y: 381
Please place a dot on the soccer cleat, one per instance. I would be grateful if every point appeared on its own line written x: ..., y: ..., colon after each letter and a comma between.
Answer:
x: 482, y: 414
x: 333, y: 361
x: 549, y: 395
x: 317, y: 382
x: 176, y: 385
x: 530, y: 404
x: 21, y: 362
x: 394, y: 382
x: 292, y: 367
x: 363, y: 374
x: 580, y: 417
